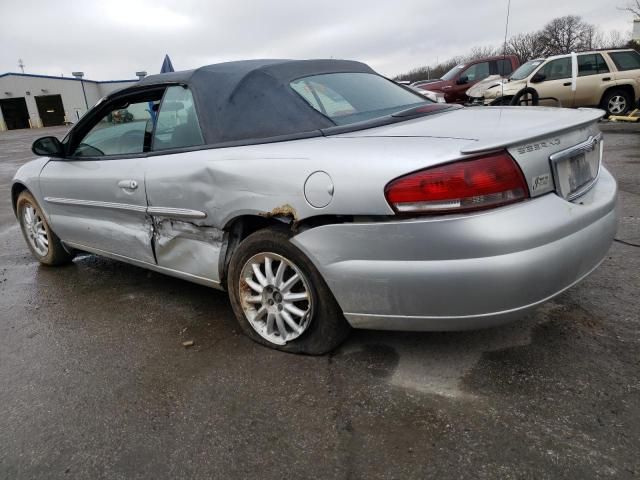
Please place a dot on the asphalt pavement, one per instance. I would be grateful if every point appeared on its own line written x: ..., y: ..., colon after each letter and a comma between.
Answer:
x: 95, y: 382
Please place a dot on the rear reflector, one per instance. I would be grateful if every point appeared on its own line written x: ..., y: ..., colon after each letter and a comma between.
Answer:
x: 481, y: 182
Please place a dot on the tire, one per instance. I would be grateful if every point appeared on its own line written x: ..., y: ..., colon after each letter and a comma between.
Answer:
x: 48, y: 249
x: 319, y: 330
x: 501, y: 101
x: 616, y: 102
x: 535, y: 98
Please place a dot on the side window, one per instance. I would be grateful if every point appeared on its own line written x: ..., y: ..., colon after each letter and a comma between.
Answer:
x: 504, y: 67
x: 125, y: 129
x: 303, y: 88
x: 557, y: 69
x: 628, y: 60
x: 477, y: 72
x: 323, y: 98
x: 177, y: 125
x: 602, y: 65
x: 592, y: 64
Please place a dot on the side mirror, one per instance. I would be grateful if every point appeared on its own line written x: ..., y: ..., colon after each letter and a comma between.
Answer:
x: 538, y: 77
x: 48, y: 147
x: 462, y: 80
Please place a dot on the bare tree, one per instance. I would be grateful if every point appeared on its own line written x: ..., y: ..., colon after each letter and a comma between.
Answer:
x: 632, y: 7
x: 527, y: 46
x: 482, y: 52
x: 615, y: 39
x: 591, y: 38
x: 568, y: 34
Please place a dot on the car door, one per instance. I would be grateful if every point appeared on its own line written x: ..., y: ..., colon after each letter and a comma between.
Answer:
x: 593, y: 79
x: 555, y: 82
x: 179, y: 194
x: 95, y: 196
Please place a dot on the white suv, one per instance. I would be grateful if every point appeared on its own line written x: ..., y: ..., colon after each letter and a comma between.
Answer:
x: 608, y: 79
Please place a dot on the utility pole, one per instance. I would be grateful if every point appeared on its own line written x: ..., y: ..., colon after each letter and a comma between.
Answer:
x: 21, y: 64
x: 79, y: 75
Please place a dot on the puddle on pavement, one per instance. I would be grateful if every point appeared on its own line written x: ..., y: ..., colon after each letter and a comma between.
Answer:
x: 435, y: 363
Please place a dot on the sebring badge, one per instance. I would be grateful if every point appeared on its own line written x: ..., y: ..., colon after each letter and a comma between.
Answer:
x: 533, y: 147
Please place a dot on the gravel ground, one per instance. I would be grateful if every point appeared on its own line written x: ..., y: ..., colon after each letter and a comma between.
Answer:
x: 95, y: 382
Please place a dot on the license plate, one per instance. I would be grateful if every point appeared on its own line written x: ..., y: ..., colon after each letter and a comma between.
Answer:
x: 577, y: 168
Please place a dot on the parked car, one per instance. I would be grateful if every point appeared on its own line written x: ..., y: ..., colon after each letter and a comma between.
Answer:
x: 476, y: 93
x: 608, y: 79
x: 454, y: 84
x: 323, y: 196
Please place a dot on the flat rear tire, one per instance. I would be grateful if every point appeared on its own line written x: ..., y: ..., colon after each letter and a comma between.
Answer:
x: 280, y: 299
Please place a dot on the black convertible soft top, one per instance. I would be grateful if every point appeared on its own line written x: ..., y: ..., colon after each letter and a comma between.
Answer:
x: 252, y: 99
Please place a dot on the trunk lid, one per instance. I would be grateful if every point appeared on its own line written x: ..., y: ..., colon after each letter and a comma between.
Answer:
x: 530, y: 134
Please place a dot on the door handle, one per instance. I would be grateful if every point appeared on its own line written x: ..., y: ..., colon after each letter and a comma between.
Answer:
x: 567, y: 84
x: 128, y: 184
x: 606, y: 79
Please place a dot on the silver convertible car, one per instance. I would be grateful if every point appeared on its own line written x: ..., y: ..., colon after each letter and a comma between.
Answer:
x: 323, y: 196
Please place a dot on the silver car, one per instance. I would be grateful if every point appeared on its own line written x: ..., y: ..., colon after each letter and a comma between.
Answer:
x: 323, y: 196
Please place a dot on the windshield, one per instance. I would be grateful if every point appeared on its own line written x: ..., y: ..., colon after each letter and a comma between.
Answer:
x: 525, y: 69
x: 451, y: 74
x: 355, y: 97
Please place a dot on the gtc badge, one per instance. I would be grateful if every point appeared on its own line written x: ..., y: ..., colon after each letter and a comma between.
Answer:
x: 540, y: 182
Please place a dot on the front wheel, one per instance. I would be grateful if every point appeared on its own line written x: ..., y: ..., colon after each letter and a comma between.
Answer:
x: 527, y: 96
x: 280, y: 299
x: 42, y: 241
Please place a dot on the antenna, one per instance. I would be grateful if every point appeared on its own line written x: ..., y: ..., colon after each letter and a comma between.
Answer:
x: 504, y: 45
x: 21, y: 64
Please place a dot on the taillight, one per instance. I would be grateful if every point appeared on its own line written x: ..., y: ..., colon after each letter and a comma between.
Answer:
x: 481, y: 182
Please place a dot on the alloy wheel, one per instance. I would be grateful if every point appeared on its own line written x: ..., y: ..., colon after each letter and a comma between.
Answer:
x: 34, y: 228
x: 617, y: 104
x: 275, y: 297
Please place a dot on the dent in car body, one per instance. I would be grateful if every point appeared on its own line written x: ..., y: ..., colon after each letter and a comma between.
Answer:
x: 187, y: 246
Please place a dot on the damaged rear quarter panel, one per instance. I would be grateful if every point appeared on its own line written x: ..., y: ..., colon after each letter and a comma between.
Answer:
x: 268, y: 180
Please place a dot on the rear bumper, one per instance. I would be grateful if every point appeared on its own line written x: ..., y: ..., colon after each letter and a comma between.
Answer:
x: 463, y: 272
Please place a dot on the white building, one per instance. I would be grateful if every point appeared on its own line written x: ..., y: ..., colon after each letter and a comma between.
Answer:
x: 32, y: 101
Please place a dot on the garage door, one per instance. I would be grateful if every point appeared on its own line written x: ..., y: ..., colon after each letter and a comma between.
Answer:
x: 15, y: 113
x: 50, y: 109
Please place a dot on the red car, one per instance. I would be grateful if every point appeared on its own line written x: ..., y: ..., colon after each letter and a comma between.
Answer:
x: 460, y: 78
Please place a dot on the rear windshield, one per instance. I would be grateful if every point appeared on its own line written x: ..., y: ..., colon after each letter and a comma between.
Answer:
x: 355, y: 97
x: 525, y: 69
x: 626, y: 60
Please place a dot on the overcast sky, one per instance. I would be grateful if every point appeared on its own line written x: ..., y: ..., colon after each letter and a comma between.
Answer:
x: 111, y: 39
